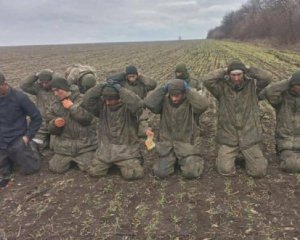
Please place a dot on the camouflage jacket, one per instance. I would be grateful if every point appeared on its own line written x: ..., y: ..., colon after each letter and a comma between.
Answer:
x: 118, y: 126
x: 287, y: 106
x: 79, y: 133
x: 177, y: 124
x: 238, y: 110
x: 44, y: 98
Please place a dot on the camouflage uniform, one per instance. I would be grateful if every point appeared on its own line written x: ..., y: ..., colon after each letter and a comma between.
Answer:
x: 193, y: 82
x: 44, y: 98
x: 76, y: 73
x: 239, y: 126
x: 287, y: 134
x: 77, y: 140
x: 176, y: 132
x: 119, y: 143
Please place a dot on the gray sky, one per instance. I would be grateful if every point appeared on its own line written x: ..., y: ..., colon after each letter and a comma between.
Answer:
x: 74, y: 21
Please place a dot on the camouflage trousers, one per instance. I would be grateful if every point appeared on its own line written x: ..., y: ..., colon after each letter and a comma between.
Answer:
x: 290, y: 161
x: 131, y: 169
x: 61, y: 163
x: 256, y: 163
x: 190, y: 166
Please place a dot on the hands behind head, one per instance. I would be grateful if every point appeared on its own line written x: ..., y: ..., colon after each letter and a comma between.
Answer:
x: 114, y: 83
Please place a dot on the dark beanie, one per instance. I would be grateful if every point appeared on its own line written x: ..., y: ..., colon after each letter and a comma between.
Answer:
x: 109, y: 92
x: 2, y: 78
x: 176, y: 86
x: 236, y: 64
x: 131, y: 70
x: 60, y: 83
x: 45, y: 75
x: 295, y: 79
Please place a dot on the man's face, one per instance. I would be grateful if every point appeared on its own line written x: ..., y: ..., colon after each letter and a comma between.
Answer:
x: 45, y: 84
x: 176, y: 98
x: 3, y: 88
x: 132, y: 77
x: 111, y: 101
x: 60, y: 93
x: 178, y: 74
x: 296, y: 89
x: 236, y: 77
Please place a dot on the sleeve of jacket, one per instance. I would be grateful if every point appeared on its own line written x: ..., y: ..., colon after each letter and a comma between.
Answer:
x: 149, y: 83
x: 154, y: 101
x: 50, y: 118
x: 80, y: 115
x: 29, y: 85
x: 133, y: 102
x: 212, y: 82
x: 198, y: 102
x: 262, y: 77
x: 35, y: 116
x: 273, y: 92
x: 92, y: 100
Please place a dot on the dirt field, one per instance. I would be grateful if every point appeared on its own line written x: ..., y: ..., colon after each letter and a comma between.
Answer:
x: 75, y: 206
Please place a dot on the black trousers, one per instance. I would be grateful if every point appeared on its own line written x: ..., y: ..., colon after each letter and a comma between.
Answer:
x: 17, y: 154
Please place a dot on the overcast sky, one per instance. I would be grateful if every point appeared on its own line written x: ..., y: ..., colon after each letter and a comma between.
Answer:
x: 80, y: 21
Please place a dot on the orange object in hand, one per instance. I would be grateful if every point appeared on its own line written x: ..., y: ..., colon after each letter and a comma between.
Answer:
x: 59, y: 122
x: 150, y: 144
x: 67, y: 103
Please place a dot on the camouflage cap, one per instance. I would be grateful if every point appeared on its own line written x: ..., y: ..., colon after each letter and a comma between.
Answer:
x: 45, y: 75
x: 295, y: 79
x: 181, y: 67
x: 88, y: 81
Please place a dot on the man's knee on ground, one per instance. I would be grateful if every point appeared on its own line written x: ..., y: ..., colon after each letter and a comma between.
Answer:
x: 290, y: 162
x: 225, y: 169
x: 192, y: 167
x: 132, y: 173
x: 94, y: 172
x: 258, y: 171
x: 56, y: 167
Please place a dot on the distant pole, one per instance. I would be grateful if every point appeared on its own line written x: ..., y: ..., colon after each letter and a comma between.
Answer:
x: 179, y: 38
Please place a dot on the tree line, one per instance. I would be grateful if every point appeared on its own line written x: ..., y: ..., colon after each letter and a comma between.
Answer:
x: 275, y: 20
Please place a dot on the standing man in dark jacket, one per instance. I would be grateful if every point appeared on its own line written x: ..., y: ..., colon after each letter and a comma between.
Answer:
x: 284, y: 96
x: 38, y: 84
x: 239, y: 128
x: 15, y: 133
x: 180, y: 108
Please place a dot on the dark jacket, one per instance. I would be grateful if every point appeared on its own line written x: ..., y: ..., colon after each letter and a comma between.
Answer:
x: 14, y: 108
